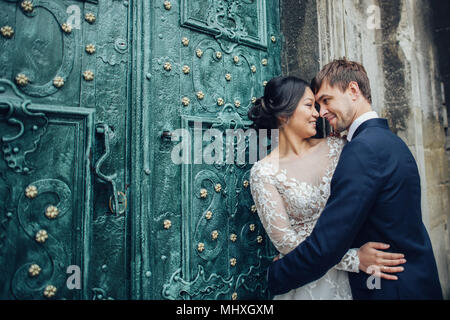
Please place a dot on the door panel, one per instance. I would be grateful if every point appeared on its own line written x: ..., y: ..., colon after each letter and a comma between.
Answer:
x: 46, y: 195
x: 209, y: 61
x: 69, y: 61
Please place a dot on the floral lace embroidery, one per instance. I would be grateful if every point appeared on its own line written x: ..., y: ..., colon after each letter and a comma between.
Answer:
x: 289, y: 208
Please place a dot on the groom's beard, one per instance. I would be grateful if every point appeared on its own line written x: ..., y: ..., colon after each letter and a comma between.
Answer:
x: 340, y: 127
x: 343, y: 123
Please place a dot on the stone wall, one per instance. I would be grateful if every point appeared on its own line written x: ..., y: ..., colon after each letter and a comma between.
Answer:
x: 395, y: 42
x: 441, y: 25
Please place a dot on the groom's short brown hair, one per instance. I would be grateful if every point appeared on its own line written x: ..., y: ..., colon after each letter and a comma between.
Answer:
x: 341, y: 72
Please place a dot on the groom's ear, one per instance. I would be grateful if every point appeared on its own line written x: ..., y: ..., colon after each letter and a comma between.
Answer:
x: 353, y: 90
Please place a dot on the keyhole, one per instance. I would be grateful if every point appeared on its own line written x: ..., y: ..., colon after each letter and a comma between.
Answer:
x: 121, y: 45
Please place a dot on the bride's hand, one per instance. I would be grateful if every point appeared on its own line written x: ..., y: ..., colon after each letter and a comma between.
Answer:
x: 373, y: 261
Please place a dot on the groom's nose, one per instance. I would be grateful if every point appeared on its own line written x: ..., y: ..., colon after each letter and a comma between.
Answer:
x: 323, y: 111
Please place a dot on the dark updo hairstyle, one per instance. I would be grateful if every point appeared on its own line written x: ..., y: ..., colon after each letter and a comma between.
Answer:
x: 281, y: 97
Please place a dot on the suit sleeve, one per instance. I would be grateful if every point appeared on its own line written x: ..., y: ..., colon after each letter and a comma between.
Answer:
x: 354, y: 188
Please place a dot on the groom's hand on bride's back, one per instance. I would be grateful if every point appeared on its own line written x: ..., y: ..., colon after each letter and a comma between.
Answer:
x: 380, y: 263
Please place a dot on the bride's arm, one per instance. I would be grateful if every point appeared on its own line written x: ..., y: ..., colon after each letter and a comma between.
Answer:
x: 272, y: 213
x: 350, y: 261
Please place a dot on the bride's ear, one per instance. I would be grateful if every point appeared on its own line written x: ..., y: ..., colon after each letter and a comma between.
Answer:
x: 283, y: 121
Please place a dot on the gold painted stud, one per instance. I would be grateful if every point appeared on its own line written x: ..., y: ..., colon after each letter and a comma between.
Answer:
x: 41, y: 236
x: 245, y: 183
x: 253, y: 208
x: 167, y: 5
x: 259, y: 239
x: 208, y: 215
x: 252, y: 227
x: 273, y: 39
x: 50, y: 291
x: 185, y: 101
x: 185, y: 41
x: 51, y: 212
x: 203, y: 193
x: 228, y: 77
x: 34, y: 270
x: 264, y: 62
x: 233, y: 262
x: 7, y: 31
x: 219, y: 55
x: 253, y: 99
x: 58, y: 82
x: 27, y: 6
x: 214, y: 235
x: 218, y: 187
x: 186, y: 69
x: 253, y: 68
x: 237, y: 103
x: 67, y: 28
x: 167, y: 224
x: 234, y: 296
x: 22, y: 80
x: 264, y: 83
x: 201, y: 247
x: 199, y: 53
x: 90, y: 48
x: 167, y: 66
x: 220, y: 102
x: 233, y: 237
x: 31, y: 192
x: 88, y: 75
x: 236, y: 59
x: 200, y: 95
x: 90, y: 17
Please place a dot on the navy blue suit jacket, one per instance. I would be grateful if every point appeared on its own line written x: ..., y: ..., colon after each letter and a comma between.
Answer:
x: 375, y: 196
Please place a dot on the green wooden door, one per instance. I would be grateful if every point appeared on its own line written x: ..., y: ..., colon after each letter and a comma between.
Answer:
x: 208, y: 60
x: 63, y: 124
x: 92, y: 97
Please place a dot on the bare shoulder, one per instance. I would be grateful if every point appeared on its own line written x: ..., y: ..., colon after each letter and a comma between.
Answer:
x: 273, y: 155
x: 314, y: 142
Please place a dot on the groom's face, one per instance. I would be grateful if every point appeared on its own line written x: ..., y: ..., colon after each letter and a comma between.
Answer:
x: 335, y: 106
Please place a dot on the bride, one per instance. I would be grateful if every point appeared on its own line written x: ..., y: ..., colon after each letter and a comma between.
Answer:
x: 291, y: 186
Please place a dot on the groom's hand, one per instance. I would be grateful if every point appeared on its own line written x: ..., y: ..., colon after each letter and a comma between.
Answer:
x: 373, y: 261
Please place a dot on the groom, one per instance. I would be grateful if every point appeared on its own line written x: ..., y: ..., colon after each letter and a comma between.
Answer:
x: 375, y: 196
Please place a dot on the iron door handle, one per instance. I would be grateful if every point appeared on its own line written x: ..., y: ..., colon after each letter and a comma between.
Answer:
x: 118, y: 200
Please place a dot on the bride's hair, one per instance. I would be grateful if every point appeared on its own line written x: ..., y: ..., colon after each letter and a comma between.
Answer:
x: 281, y: 97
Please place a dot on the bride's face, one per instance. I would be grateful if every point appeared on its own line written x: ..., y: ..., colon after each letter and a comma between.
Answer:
x: 303, y: 120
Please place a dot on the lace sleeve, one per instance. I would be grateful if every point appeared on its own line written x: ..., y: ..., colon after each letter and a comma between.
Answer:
x: 272, y: 213
x: 350, y: 261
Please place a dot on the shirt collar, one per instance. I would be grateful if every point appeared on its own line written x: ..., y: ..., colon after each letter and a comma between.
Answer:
x: 358, y: 121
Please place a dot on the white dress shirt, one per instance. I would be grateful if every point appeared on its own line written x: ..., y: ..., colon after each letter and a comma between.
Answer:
x: 358, y: 121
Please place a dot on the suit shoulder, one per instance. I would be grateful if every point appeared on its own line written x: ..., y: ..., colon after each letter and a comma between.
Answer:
x: 381, y: 139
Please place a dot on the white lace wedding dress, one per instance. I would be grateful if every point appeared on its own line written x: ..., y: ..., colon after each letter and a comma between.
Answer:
x: 289, y: 196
